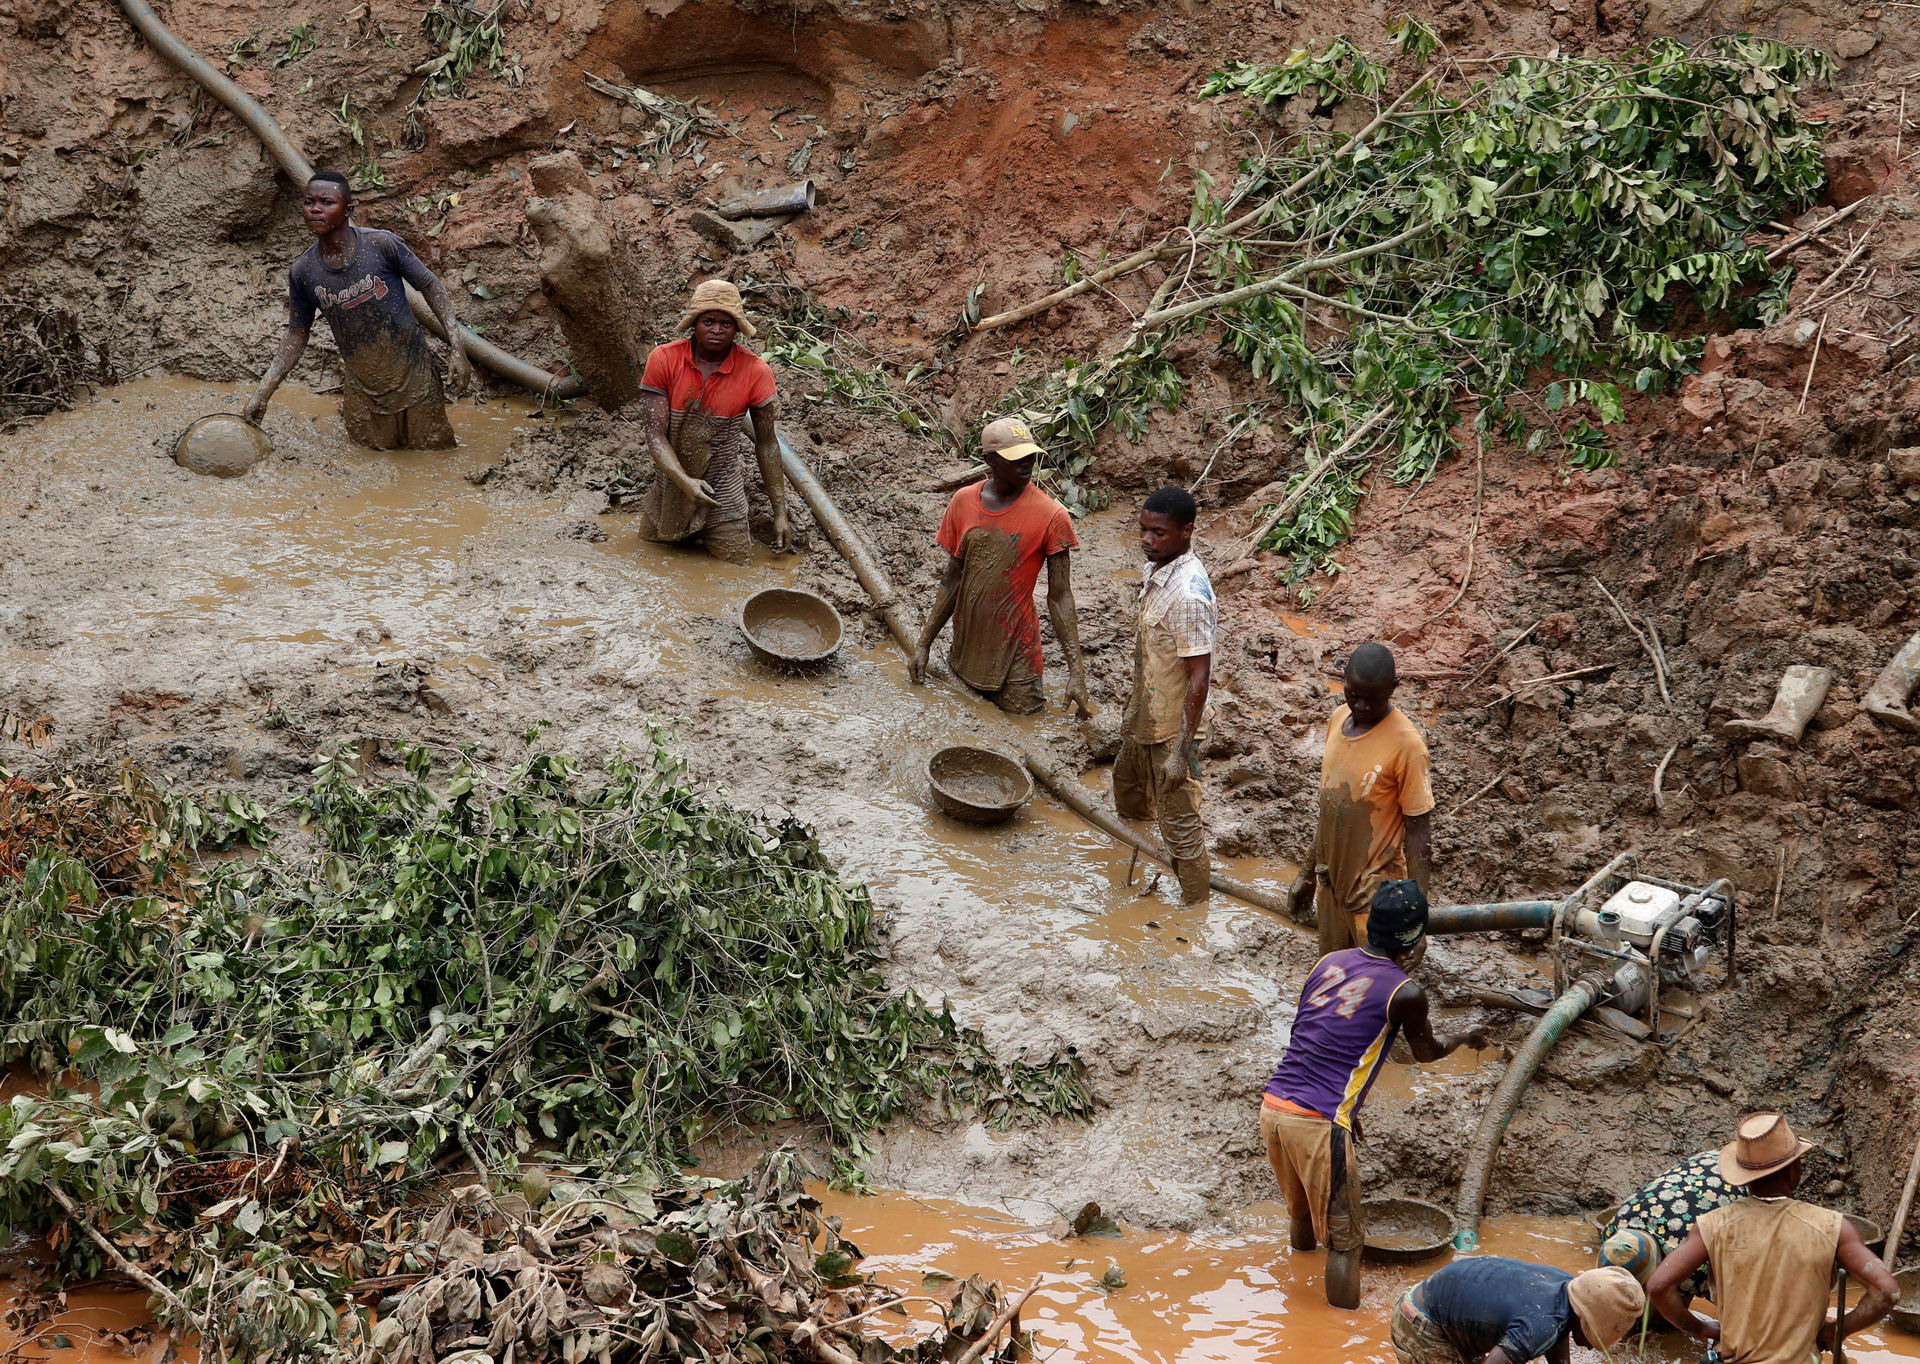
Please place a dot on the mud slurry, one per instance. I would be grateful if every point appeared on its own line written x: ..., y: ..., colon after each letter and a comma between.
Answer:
x: 1231, y: 1294
x: 222, y: 630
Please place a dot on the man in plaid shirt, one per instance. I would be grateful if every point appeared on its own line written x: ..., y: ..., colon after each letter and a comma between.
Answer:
x: 1158, y: 770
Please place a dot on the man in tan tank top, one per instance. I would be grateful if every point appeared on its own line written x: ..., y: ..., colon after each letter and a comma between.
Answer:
x: 1771, y: 1259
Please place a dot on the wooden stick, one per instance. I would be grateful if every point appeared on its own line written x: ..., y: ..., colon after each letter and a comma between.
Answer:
x: 1815, y: 230
x: 1473, y: 533
x: 1553, y: 677
x: 1660, y: 796
x: 1906, y: 1205
x: 1505, y: 649
x: 1807, y: 387
x: 1483, y: 790
x: 973, y: 1351
x: 1653, y: 655
x: 1659, y: 652
x: 1840, y: 1318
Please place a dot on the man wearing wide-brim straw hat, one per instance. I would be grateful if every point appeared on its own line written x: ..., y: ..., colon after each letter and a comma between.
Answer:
x: 702, y: 394
x: 1771, y: 1258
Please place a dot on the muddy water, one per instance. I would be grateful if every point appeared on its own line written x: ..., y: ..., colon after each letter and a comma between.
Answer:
x: 328, y: 558
x: 1235, y: 1295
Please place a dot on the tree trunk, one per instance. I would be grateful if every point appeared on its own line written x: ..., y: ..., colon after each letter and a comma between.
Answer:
x: 591, y: 284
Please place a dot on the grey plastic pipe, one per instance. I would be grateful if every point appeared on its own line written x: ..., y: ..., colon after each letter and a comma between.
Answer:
x: 281, y: 147
x: 1551, y: 1026
x: 873, y: 578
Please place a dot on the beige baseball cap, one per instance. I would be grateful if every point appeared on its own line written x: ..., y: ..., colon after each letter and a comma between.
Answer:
x: 1009, y: 438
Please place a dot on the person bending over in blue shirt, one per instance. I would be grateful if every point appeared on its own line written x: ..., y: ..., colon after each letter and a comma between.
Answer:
x: 1491, y: 1310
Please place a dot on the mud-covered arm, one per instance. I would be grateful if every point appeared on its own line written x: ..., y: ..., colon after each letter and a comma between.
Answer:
x: 766, y: 452
x: 665, y: 459
x: 1664, y: 1287
x: 1871, y: 1272
x: 292, y: 346
x: 459, y: 368
x: 942, y: 612
x: 1066, y: 627
x: 1185, y: 758
x: 1420, y: 849
x: 1409, y: 1010
x: 415, y: 272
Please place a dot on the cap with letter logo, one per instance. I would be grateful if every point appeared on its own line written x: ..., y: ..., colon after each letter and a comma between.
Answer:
x: 1009, y: 438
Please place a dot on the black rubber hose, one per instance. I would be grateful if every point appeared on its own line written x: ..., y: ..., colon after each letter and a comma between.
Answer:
x: 281, y: 147
x: 1514, y: 914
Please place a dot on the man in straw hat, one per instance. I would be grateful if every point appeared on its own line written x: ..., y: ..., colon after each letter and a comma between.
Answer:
x: 1488, y: 1309
x: 701, y: 392
x: 1351, y: 1008
x: 1771, y: 1258
x: 996, y: 534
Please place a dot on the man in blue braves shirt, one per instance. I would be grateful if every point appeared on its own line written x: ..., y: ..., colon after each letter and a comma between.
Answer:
x: 357, y: 278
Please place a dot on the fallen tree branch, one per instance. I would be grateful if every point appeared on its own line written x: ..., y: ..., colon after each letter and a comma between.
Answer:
x: 973, y: 1351
x: 126, y: 1266
x: 1297, y: 495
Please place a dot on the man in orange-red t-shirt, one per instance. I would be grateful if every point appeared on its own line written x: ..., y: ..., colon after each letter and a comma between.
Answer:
x: 997, y: 533
x: 708, y: 399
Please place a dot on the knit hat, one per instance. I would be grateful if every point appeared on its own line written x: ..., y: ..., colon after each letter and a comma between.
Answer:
x: 1633, y: 1250
x: 1608, y: 1302
x: 716, y: 296
x: 1398, y: 917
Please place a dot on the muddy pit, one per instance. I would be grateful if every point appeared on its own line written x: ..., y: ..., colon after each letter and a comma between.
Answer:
x: 223, y: 632
x: 226, y: 630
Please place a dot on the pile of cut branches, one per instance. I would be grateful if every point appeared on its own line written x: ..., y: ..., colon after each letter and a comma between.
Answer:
x: 1523, y: 247
x: 44, y: 361
x: 260, y: 1066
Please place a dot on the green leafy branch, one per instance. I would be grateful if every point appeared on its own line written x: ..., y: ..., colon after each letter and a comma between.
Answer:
x: 1529, y: 245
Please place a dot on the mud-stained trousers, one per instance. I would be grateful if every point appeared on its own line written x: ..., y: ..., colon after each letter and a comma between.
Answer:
x: 1141, y: 790
x: 1416, y: 1337
x: 1312, y: 1158
x: 424, y: 426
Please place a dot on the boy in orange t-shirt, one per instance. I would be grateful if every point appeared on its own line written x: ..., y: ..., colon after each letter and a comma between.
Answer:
x: 1376, y: 805
x: 996, y: 534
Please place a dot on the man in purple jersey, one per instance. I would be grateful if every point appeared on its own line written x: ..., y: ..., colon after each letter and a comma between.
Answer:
x: 1352, y: 1006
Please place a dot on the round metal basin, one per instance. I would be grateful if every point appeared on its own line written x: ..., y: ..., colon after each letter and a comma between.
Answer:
x: 788, y: 628
x: 1404, y: 1231
x: 1906, y: 1312
x: 223, y: 444
x: 977, y: 785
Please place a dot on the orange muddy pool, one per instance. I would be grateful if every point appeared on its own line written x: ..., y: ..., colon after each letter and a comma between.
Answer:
x: 1228, y: 1296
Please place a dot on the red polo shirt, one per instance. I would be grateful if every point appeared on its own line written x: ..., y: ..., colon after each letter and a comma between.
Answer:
x: 743, y: 380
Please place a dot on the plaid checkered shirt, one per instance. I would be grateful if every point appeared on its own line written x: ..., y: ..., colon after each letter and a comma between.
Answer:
x: 1179, y: 595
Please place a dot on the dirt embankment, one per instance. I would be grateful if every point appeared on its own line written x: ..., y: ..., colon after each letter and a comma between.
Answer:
x: 1765, y: 516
